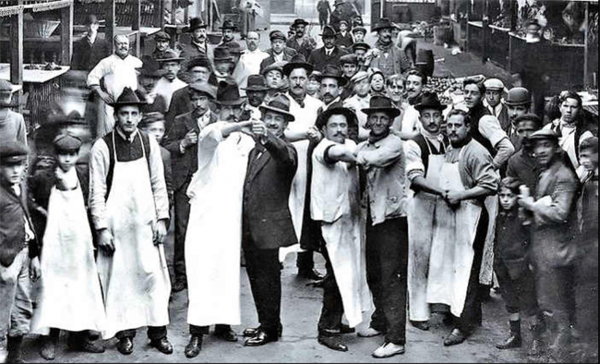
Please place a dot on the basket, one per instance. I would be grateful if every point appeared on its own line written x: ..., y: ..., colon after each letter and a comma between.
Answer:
x: 39, y: 28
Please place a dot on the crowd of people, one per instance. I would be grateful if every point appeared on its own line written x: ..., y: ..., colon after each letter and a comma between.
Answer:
x: 339, y: 149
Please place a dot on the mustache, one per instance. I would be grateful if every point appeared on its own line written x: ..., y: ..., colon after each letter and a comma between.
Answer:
x: 340, y: 134
x: 327, y: 95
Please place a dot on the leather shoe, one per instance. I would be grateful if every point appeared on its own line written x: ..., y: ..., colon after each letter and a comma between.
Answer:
x: 345, y: 330
x: 194, y: 348
x: 89, y: 346
x: 261, y: 338
x: 311, y: 274
x: 389, y: 350
x: 511, y: 343
x: 227, y: 335
x: 179, y: 285
x: 455, y: 338
x: 370, y: 332
x: 333, y: 343
x: 252, y: 332
x: 48, y: 350
x: 163, y: 345
x: 125, y: 346
x: 421, y: 325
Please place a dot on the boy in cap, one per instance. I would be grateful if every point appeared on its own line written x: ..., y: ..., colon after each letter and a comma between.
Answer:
x: 359, y: 33
x: 19, y: 262
x: 494, y: 89
x: 68, y: 250
x: 91, y: 49
x: 344, y: 38
x: 12, y: 124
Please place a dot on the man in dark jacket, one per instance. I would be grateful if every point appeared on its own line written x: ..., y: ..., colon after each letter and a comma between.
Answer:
x: 182, y: 142
x: 91, y: 49
x: 267, y: 221
x: 329, y: 54
x: 301, y: 42
x: 279, y: 52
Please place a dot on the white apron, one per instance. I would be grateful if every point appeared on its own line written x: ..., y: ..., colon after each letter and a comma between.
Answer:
x: 71, y: 297
x: 492, y: 205
x: 135, y: 279
x: 421, y: 223
x: 214, y: 236
x: 452, y: 251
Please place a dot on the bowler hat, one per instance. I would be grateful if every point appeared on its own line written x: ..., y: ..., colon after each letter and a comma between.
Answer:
x: 204, y: 88
x: 162, y: 35
x: 297, y: 61
x: 336, y: 109
x: 256, y: 83
x: 277, y: 34
x: 299, y: 22
x: 518, y: 96
x: 383, y: 23
x: 128, y: 97
x: 328, y: 32
x: 228, y: 93
x: 228, y: 24
x: 196, y: 23
x: 13, y: 152
x: 430, y: 100
x: 383, y: 104
x: 67, y: 143
x: 170, y: 56
x: 222, y: 53
x: 544, y: 134
x: 332, y: 71
x: 279, y: 104
x: 199, y: 62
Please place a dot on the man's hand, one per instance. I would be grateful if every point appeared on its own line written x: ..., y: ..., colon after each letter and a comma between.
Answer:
x: 107, y: 98
x: 190, y: 139
x: 453, y: 198
x: 160, y: 232
x: 314, y: 135
x: 105, y: 242
x: 259, y: 128
x: 526, y: 203
x: 35, y: 269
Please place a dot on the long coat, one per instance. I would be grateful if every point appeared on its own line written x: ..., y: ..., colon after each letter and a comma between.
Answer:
x: 266, y: 215
x: 320, y: 60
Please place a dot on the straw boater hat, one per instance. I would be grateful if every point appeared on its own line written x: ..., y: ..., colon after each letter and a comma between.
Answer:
x: 128, y: 98
x: 430, y: 100
x: 196, y: 23
x: 382, y: 103
x: 297, y: 61
x: 332, y: 71
x: 170, y: 56
x: 281, y: 105
x: 256, y: 83
x: 228, y: 94
x: 383, y: 23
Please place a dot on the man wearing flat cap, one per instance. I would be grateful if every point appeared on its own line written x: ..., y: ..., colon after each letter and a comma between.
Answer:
x: 278, y: 52
x: 19, y: 251
x: 386, y: 55
x: 169, y: 83
x: 162, y: 42
x: 360, y: 49
x: 130, y: 212
x: 329, y: 54
x: 523, y: 165
x: 360, y: 100
x: 302, y: 42
x: 91, y: 49
x: 554, y: 251
x: 494, y: 89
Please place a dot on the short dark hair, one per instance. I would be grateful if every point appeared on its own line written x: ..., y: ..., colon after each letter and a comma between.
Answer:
x: 479, y: 84
x: 589, y: 144
x: 570, y: 95
x: 394, y: 79
x: 418, y: 73
x: 462, y: 113
x: 530, y: 117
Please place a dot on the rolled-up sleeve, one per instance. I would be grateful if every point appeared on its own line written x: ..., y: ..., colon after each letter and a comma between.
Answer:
x: 96, y: 74
x: 482, y: 171
x: 414, y: 161
x: 157, y: 180
x: 390, y: 151
x: 490, y: 128
x: 99, y: 164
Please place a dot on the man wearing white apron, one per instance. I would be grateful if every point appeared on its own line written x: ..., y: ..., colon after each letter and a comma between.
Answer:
x: 335, y: 204
x: 130, y: 212
x: 425, y: 157
x: 213, y: 239
x: 467, y: 177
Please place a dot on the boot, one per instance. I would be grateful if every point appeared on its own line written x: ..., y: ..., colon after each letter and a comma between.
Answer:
x: 13, y: 346
x: 48, y: 349
x: 537, y: 345
x: 514, y: 341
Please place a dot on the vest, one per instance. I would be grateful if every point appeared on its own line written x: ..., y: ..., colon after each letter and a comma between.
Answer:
x: 475, y: 116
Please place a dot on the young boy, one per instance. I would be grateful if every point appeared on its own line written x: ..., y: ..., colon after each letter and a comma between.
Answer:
x: 19, y: 261
x: 511, y: 265
x: 68, y: 256
x: 12, y: 125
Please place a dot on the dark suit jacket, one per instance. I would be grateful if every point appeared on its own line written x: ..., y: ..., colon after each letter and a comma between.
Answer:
x: 266, y: 215
x: 288, y: 53
x: 320, y: 60
x: 86, y: 56
x: 13, y: 212
x: 180, y: 104
x: 183, y: 165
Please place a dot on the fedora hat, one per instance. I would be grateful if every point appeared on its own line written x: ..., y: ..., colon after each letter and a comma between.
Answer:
x: 129, y: 97
x: 299, y: 22
x: 170, y: 56
x: 297, y: 61
x: 222, y: 53
x: 328, y: 32
x: 332, y: 71
x: 382, y: 103
x: 228, y: 93
x: 279, y: 104
x: 518, y: 96
x: 196, y: 23
x: 151, y: 68
x: 430, y: 100
x: 256, y: 83
x: 228, y: 24
x: 383, y: 23
x: 336, y: 109
x: 205, y: 88
x: 277, y: 66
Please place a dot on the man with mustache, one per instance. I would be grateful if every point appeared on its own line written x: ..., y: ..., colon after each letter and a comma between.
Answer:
x: 302, y: 43
x: 279, y: 52
x: 228, y: 29
x: 466, y: 178
x: 329, y: 54
x: 250, y: 60
x: 256, y: 92
x: 332, y: 83
x: 387, y: 56
x: 169, y: 83
x: 517, y: 103
x: 409, y: 127
x: 198, y: 45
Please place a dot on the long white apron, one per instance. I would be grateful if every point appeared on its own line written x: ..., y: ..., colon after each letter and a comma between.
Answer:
x: 70, y: 297
x: 214, y: 236
x: 135, y: 279
x: 421, y: 223
x: 452, y: 251
x: 492, y: 204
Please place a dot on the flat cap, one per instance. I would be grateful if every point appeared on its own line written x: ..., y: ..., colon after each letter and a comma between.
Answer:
x: 360, y: 45
x: 362, y: 75
x: 150, y: 118
x: 494, y: 84
x: 67, y: 142
x: 529, y: 117
x: 162, y: 35
x: 544, y: 134
x: 5, y: 86
x: 205, y: 88
x: 359, y: 29
x: 277, y: 34
x: 13, y: 152
x: 348, y: 58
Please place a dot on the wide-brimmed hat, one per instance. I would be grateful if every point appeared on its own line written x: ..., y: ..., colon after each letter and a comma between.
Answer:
x: 382, y: 103
x: 151, y: 68
x: 256, y: 83
x: 228, y: 93
x: 297, y: 61
x: 170, y: 56
x: 228, y: 24
x: 299, y: 22
x: 222, y: 53
x: 277, y: 66
x: 328, y: 32
x: 383, y: 23
x: 332, y: 71
x: 279, y: 104
x: 196, y: 23
x: 336, y: 109
x: 518, y: 96
x: 129, y: 97
x: 430, y: 100
x: 204, y: 88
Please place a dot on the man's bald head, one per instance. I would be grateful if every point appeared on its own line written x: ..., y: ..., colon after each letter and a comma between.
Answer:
x: 121, y: 45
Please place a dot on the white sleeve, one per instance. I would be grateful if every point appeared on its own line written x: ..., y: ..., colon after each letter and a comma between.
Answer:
x: 157, y: 179
x: 414, y: 161
x: 101, y: 70
x: 98, y: 169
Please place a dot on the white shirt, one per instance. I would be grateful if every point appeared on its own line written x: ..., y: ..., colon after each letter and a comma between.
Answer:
x: 252, y: 60
x: 496, y: 111
x: 167, y: 88
x: 278, y: 57
x: 306, y: 116
x: 117, y: 73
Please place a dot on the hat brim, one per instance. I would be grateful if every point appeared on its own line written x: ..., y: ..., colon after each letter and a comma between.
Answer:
x: 229, y: 59
x: 376, y: 29
x: 240, y: 101
x: 391, y: 110
x: 289, y: 67
x: 289, y: 117
x: 176, y: 59
x: 12, y: 160
x: 255, y: 88
x: 342, y: 81
x: 507, y: 103
x: 119, y: 104
x: 295, y: 24
x: 440, y: 107
x: 348, y: 113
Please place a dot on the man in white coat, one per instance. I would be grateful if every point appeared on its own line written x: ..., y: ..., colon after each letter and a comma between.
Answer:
x: 214, y: 235
x: 117, y: 71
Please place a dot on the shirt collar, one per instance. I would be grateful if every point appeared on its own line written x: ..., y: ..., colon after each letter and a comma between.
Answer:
x: 129, y: 139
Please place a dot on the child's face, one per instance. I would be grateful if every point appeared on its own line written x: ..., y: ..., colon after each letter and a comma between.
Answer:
x: 358, y: 37
x: 589, y: 159
x: 156, y: 130
x: 67, y: 160
x: 343, y: 27
x: 12, y: 173
x: 508, y: 199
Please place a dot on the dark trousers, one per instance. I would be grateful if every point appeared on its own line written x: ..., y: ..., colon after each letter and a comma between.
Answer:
x: 387, y: 270
x: 323, y: 19
x: 519, y: 292
x: 205, y: 330
x: 182, y: 214
x: 305, y: 261
x: 263, y: 271
x: 472, y: 314
x: 333, y: 307
x: 556, y: 288
x: 154, y: 333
